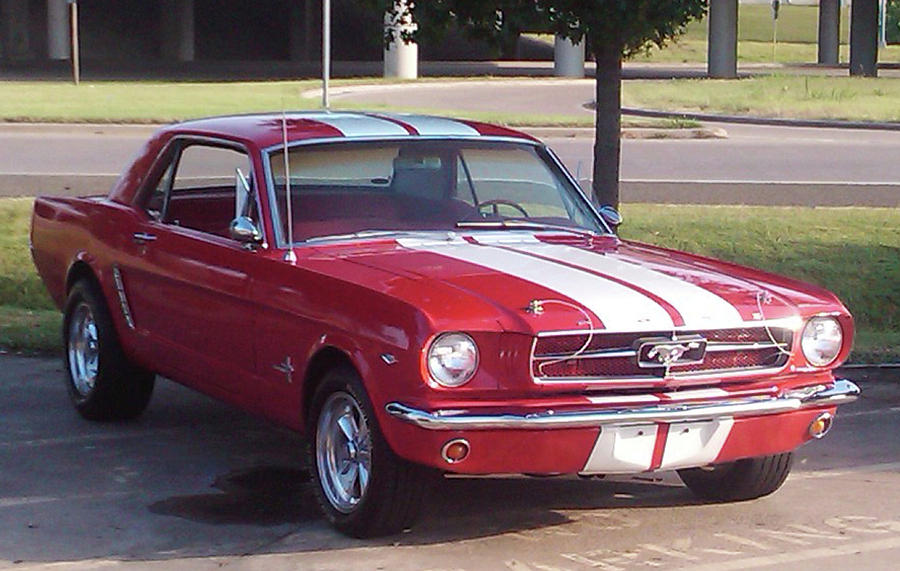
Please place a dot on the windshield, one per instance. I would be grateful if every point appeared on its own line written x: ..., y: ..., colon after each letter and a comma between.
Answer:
x: 375, y: 187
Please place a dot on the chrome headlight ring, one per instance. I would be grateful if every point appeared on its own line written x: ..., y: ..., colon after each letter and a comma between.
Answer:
x: 821, y: 340
x: 452, y: 359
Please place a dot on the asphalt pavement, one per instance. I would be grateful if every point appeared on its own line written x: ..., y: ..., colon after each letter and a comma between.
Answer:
x: 196, y: 484
x: 752, y: 165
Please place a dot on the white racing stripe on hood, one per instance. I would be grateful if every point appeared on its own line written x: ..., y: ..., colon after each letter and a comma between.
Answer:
x: 700, y: 308
x: 619, y: 307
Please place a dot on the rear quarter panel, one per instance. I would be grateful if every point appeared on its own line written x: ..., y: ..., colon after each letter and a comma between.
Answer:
x: 65, y: 231
x: 59, y: 237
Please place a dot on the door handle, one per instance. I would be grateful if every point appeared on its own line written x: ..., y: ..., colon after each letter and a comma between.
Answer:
x: 143, y: 237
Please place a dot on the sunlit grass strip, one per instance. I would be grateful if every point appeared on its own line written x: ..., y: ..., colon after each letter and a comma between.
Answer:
x: 842, y: 98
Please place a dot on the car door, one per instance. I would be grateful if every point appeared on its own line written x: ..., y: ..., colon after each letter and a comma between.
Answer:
x: 186, y: 278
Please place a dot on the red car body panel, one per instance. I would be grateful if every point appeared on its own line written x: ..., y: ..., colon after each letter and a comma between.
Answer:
x: 212, y: 315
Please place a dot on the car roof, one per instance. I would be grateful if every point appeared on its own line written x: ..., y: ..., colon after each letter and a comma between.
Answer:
x: 266, y: 129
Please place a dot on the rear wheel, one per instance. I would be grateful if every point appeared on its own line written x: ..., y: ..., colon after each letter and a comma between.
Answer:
x: 740, y: 480
x: 363, y: 488
x: 102, y: 382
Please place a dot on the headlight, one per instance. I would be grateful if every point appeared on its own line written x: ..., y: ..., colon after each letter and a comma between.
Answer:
x: 452, y: 359
x: 821, y: 341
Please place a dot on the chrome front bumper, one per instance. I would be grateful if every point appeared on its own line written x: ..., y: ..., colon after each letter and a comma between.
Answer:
x: 842, y: 392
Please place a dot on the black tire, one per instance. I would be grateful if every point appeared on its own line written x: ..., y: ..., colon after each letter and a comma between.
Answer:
x: 390, y: 498
x: 103, y: 384
x: 741, y: 480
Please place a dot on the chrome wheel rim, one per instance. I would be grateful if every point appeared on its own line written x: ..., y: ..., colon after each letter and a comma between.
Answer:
x: 83, y: 349
x: 343, y: 452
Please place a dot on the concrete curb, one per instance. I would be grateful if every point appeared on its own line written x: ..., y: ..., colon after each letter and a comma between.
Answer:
x: 771, y: 121
x: 627, y: 133
x: 68, y: 184
x: 104, y: 129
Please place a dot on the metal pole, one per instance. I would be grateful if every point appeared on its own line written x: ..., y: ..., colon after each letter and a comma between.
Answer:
x: 76, y: 59
x: 882, y: 24
x: 775, y: 40
x: 722, y: 44
x: 326, y: 50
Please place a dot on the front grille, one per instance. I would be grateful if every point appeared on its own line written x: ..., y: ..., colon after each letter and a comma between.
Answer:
x: 603, y: 356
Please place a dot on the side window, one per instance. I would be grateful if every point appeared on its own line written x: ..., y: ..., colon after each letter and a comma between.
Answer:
x: 201, y: 189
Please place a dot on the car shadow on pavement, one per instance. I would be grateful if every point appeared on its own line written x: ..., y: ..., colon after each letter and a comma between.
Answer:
x: 459, y: 508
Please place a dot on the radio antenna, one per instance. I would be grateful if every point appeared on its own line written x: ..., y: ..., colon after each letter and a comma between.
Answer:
x: 290, y: 256
x: 326, y: 51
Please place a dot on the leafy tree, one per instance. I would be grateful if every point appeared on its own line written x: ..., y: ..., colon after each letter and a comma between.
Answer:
x: 614, y: 30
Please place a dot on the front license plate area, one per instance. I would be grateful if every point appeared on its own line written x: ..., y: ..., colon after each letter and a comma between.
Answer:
x: 634, y: 449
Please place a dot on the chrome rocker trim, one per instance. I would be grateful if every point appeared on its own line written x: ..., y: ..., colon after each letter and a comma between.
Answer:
x: 842, y: 392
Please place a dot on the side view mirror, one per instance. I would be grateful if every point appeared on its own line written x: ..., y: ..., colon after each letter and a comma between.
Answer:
x: 244, y: 230
x: 611, y: 216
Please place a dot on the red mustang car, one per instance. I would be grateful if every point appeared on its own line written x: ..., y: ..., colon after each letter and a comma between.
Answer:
x: 423, y: 295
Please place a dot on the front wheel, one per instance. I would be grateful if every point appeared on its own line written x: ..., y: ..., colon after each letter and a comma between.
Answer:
x: 362, y: 487
x: 740, y: 480
x: 103, y: 383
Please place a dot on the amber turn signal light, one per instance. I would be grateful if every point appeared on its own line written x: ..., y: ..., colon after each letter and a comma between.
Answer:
x: 455, y: 451
x: 821, y: 425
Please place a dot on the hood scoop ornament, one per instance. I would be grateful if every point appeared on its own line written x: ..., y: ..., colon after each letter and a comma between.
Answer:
x: 535, y: 307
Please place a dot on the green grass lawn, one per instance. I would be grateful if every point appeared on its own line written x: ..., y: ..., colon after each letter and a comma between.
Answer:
x: 850, y: 98
x: 28, y: 320
x: 138, y: 102
x: 155, y: 102
x: 854, y: 252
x: 689, y: 50
x: 147, y: 102
x: 797, y: 24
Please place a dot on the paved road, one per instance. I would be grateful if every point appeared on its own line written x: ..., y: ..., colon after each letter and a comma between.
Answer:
x: 195, y: 484
x: 859, y: 167
x: 754, y: 153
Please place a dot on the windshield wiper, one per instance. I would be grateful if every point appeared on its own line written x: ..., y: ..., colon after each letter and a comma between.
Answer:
x: 352, y: 235
x: 519, y: 224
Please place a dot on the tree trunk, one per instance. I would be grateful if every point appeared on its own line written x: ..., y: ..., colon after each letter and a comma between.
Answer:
x: 608, y: 121
x: 509, y: 44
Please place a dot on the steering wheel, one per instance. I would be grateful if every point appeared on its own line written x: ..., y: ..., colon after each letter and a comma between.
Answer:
x: 495, y: 203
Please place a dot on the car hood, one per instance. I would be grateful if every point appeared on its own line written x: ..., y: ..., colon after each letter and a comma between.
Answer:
x: 544, y: 282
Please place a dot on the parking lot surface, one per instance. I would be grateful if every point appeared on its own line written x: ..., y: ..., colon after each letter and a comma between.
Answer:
x: 195, y: 484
